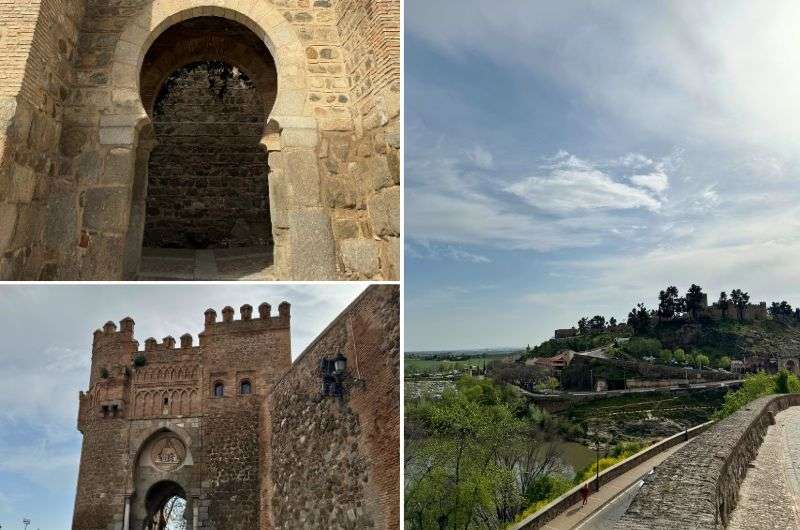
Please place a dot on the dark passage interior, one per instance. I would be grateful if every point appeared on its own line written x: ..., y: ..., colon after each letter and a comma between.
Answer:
x: 166, y: 507
x: 208, y: 84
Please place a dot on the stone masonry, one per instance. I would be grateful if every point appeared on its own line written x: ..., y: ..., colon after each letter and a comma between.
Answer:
x: 698, y: 487
x: 335, y: 463
x: 77, y: 132
x: 238, y: 431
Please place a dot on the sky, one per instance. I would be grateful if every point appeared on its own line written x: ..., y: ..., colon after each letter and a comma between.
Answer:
x: 46, y: 353
x: 567, y: 159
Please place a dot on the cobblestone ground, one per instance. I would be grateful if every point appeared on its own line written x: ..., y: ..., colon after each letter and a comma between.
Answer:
x: 769, y: 497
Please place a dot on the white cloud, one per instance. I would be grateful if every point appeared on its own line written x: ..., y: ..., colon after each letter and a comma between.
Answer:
x: 571, y: 191
x: 423, y: 250
x: 656, y: 181
x: 698, y: 70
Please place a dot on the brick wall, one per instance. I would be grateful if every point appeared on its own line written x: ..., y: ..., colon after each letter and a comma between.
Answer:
x: 334, y: 463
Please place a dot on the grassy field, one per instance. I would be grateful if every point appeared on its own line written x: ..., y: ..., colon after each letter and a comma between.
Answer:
x: 419, y: 365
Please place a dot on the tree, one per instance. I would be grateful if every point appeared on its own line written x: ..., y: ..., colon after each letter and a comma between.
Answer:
x: 740, y: 300
x: 668, y: 303
x: 472, y: 459
x: 679, y: 355
x: 597, y: 323
x: 702, y: 360
x: 694, y: 301
x: 723, y: 304
x: 781, y: 309
x: 639, y: 319
x: 724, y: 362
x: 612, y: 322
x: 583, y: 325
x: 640, y: 347
x: 665, y: 356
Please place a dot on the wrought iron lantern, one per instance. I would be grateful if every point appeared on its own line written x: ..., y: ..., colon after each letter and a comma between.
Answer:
x: 334, y: 375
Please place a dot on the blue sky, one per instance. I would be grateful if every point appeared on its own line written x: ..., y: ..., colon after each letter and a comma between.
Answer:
x: 46, y: 353
x: 572, y: 158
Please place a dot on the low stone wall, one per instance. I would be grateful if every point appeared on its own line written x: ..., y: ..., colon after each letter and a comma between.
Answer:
x: 560, y: 505
x: 698, y: 486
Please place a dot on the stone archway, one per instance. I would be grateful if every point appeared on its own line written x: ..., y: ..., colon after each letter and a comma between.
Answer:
x: 163, y: 470
x: 301, y: 228
x: 208, y: 85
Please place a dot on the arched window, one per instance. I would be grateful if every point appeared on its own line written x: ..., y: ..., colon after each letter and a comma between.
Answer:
x: 245, y: 388
x: 219, y: 389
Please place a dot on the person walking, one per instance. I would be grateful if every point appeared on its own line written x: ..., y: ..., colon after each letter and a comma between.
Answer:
x: 585, y: 494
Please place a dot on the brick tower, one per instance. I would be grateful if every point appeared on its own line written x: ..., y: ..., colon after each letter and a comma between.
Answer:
x: 180, y: 421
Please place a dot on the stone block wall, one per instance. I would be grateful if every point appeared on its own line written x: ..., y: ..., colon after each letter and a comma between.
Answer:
x: 361, y: 169
x: 37, y: 43
x: 697, y: 487
x: 207, y: 176
x: 334, y: 463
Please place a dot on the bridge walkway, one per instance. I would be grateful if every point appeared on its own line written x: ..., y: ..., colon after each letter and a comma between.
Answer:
x: 604, y: 507
x: 769, y: 497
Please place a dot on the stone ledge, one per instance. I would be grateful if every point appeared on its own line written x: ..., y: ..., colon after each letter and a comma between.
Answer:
x: 698, y: 486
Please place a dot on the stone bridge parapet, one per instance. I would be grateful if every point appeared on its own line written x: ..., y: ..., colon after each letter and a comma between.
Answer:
x: 698, y: 486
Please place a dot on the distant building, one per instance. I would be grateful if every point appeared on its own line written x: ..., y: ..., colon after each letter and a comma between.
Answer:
x: 566, y: 333
x: 556, y: 362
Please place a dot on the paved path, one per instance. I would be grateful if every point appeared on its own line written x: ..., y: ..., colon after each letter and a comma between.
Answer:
x: 608, y: 503
x: 251, y: 263
x: 769, y: 497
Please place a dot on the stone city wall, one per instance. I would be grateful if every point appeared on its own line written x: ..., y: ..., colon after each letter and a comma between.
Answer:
x: 334, y: 463
x: 698, y: 486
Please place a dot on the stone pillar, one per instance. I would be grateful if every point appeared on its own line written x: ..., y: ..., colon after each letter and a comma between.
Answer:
x: 133, y: 239
x: 312, y: 251
x: 195, y: 515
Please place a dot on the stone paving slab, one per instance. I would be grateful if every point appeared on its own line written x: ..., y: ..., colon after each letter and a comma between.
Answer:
x: 246, y: 263
x: 769, y: 497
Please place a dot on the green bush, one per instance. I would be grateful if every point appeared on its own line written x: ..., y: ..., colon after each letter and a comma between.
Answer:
x: 641, y: 347
x: 756, y: 386
x: 619, y: 452
x: 139, y: 361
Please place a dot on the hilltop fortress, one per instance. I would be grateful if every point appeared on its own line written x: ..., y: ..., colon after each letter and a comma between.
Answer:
x: 249, y: 439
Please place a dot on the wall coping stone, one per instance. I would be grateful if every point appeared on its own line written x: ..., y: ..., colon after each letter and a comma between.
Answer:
x: 698, y: 486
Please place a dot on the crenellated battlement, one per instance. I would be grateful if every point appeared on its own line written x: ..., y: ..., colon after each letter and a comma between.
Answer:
x: 111, y: 335
x: 246, y: 322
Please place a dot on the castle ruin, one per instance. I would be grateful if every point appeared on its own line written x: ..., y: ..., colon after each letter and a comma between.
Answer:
x: 248, y: 439
x: 200, y: 139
